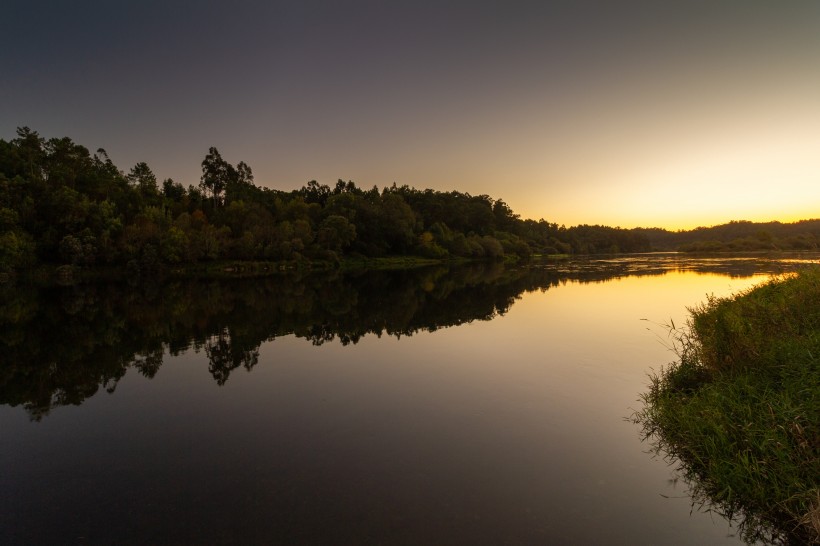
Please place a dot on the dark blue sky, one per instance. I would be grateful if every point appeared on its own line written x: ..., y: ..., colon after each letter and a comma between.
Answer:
x: 595, y: 112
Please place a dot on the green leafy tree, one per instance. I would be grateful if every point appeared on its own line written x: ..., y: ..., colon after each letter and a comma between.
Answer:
x: 16, y: 250
x: 144, y: 180
x: 239, y: 184
x: 174, y: 245
x: 30, y: 153
x: 215, y: 176
x: 336, y: 233
x: 173, y: 190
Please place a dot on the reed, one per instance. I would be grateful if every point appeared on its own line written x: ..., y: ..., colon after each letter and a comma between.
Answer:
x: 740, y: 408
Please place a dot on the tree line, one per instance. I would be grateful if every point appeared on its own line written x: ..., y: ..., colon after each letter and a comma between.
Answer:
x: 740, y: 236
x: 61, y: 204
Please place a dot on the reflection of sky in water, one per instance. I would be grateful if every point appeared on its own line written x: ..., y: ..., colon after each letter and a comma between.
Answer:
x: 510, y: 430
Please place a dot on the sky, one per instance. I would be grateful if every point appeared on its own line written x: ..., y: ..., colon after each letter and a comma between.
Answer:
x: 651, y: 114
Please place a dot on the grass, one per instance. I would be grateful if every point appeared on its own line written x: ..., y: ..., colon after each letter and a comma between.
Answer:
x: 740, y: 410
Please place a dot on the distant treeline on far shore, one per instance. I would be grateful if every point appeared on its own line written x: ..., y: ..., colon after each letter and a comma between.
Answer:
x: 62, y: 205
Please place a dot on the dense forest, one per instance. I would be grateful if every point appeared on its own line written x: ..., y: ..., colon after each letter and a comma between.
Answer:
x: 61, y: 204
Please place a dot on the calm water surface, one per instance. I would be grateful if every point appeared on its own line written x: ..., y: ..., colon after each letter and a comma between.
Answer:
x: 476, y: 406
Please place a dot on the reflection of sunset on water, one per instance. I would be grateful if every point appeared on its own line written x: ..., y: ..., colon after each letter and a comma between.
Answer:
x: 481, y: 404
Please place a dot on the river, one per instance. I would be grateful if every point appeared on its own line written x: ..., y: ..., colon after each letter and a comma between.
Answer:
x: 476, y: 405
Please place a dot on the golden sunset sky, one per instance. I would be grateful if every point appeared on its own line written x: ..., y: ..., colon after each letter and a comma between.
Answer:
x: 625, y: 113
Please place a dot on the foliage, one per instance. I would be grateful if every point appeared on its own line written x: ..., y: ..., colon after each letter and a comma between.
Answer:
x: 739, y: 236
x: 61, y: 205
x: 741, y: 409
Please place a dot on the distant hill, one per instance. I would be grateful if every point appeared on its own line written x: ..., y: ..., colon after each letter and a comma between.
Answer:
x: 737, y: 236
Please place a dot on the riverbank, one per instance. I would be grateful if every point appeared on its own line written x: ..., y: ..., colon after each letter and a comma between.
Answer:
x: 223, y: 269
x: 740, y: 410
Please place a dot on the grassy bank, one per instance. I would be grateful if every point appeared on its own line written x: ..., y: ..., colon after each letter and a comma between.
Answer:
x: 740, y: 410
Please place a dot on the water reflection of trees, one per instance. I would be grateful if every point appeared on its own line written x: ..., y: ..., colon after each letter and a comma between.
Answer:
x: 226, y: 353
x: 61, y: 345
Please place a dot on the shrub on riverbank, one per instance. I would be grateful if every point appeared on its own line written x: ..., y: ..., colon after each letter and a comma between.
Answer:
x: 741, y: 409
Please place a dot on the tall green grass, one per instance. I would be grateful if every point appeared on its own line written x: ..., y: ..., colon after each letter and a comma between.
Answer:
x: 740, y: 409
